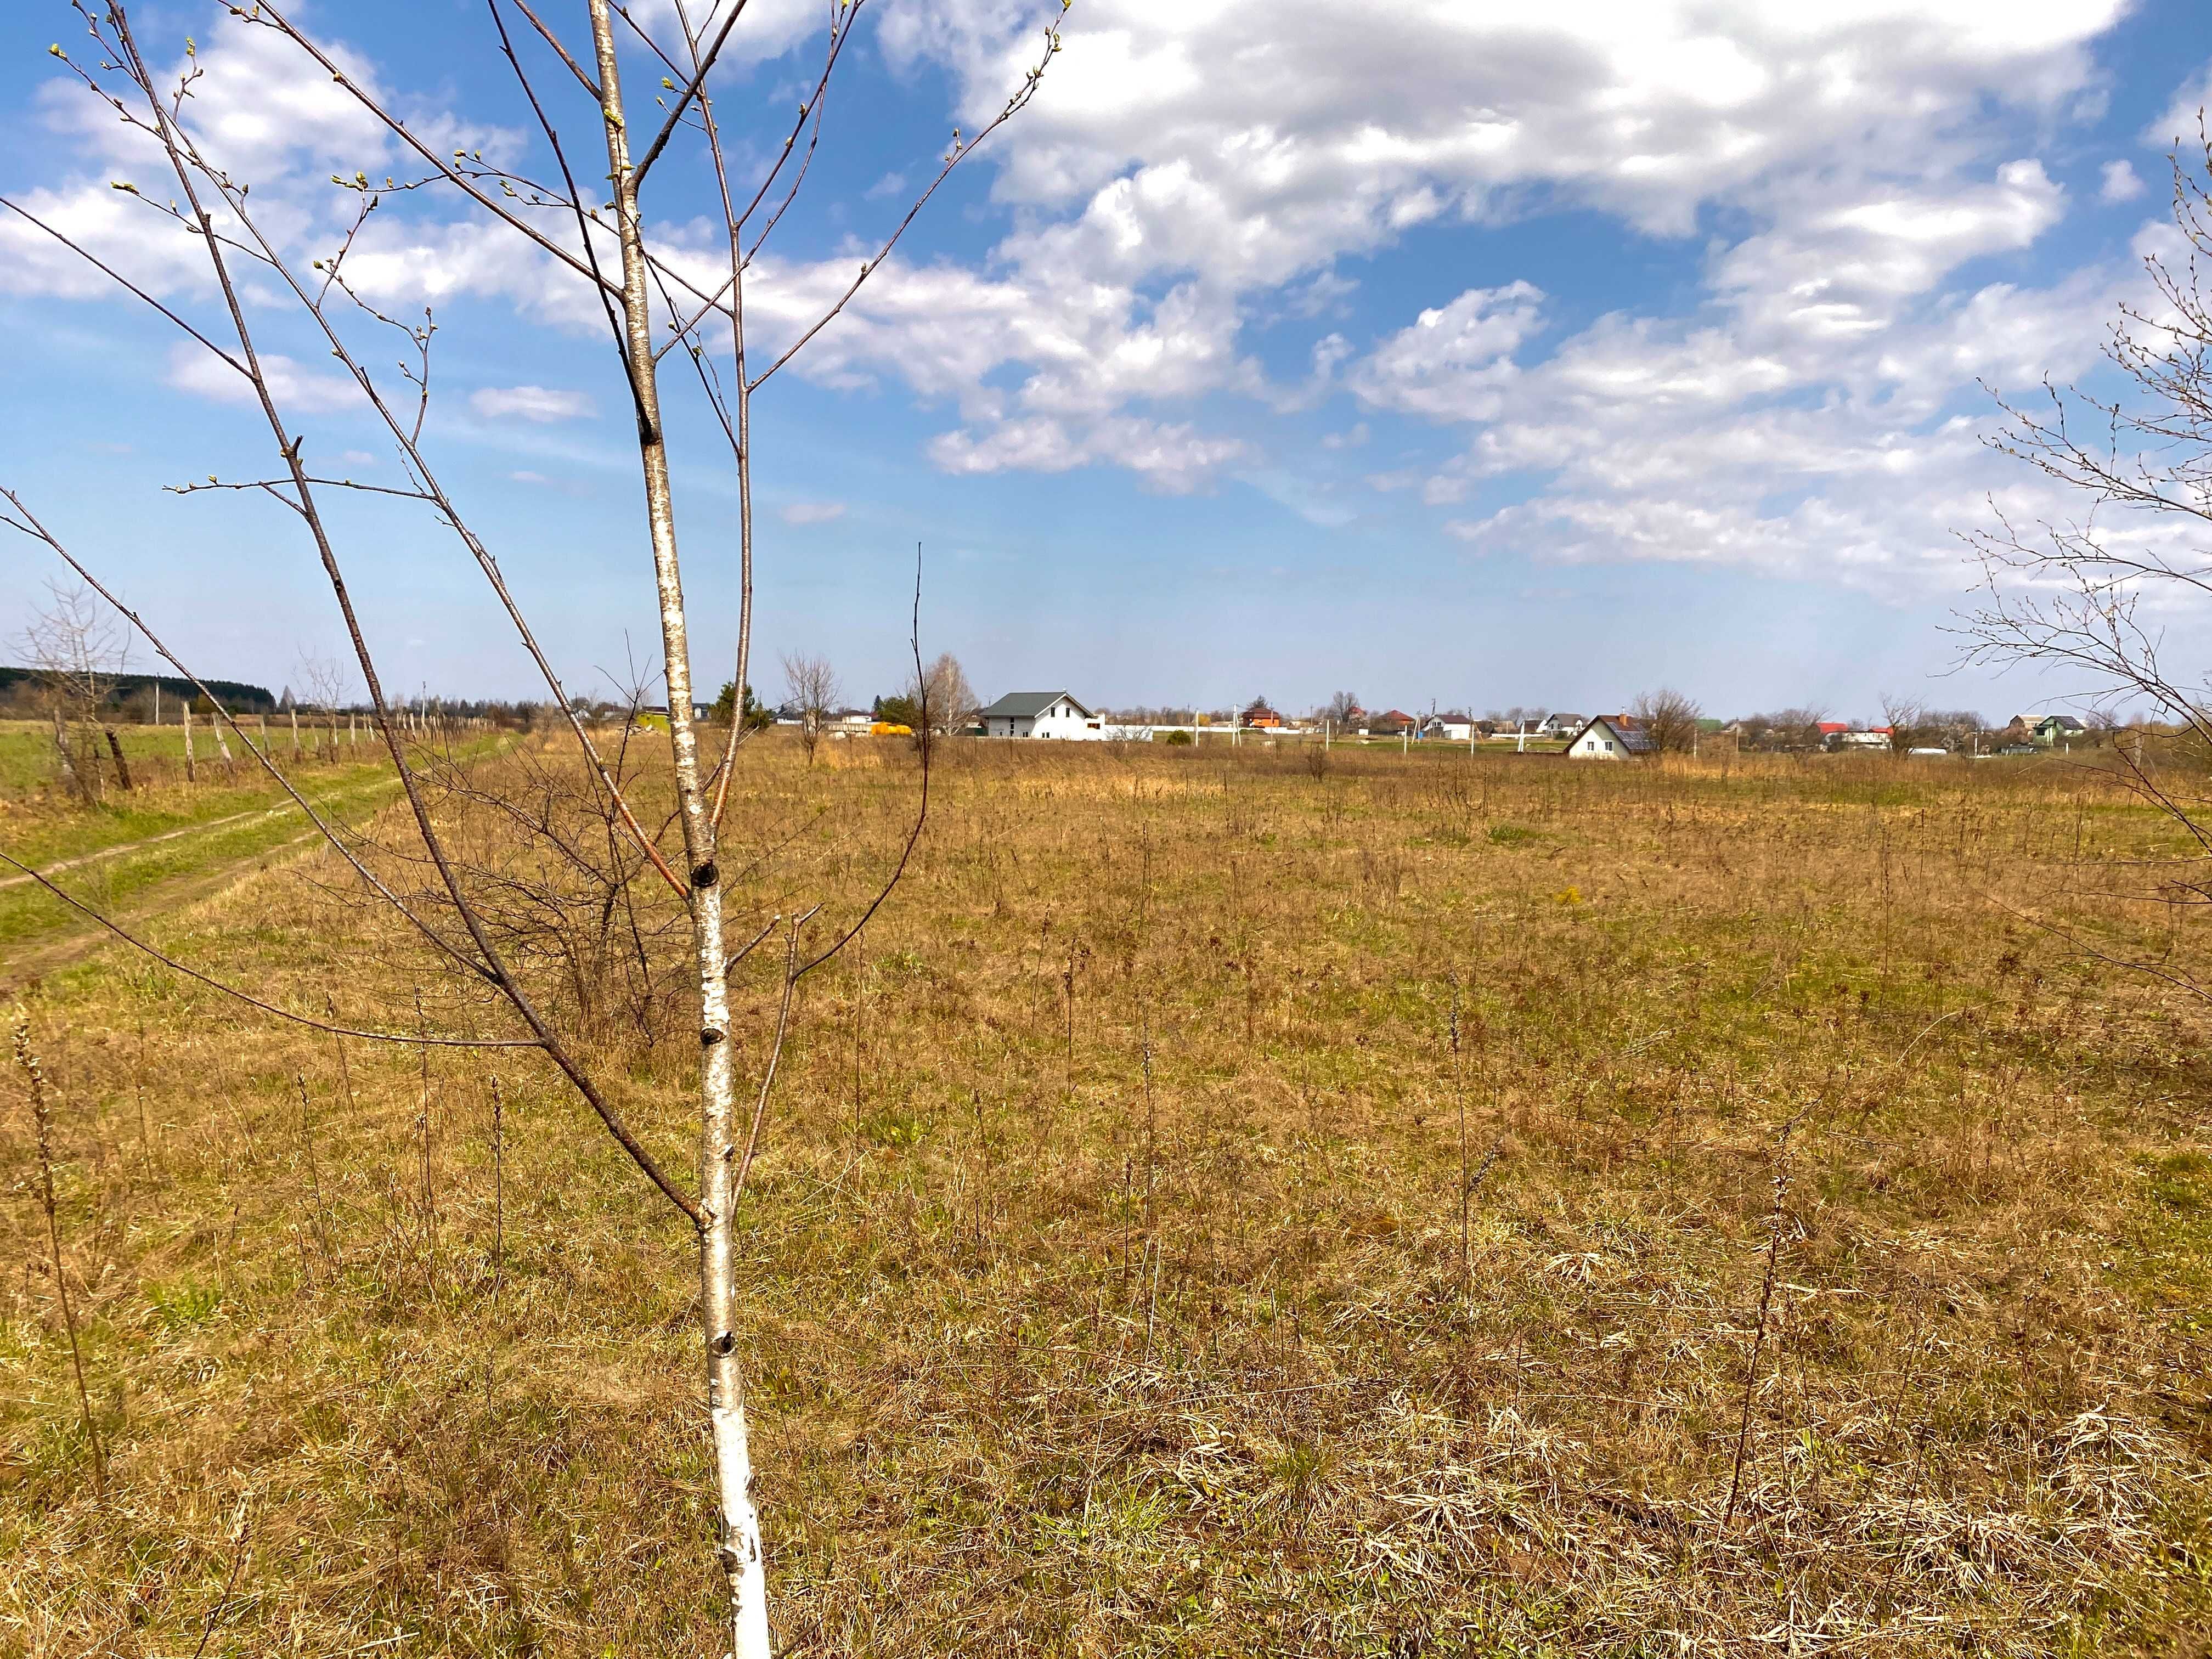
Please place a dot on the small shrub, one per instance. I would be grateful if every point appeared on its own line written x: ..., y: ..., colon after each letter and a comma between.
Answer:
x: 896, y: 1127
x: 186, y: 1305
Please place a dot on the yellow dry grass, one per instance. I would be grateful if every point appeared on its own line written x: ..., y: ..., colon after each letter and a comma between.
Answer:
x: 1110, y: 1290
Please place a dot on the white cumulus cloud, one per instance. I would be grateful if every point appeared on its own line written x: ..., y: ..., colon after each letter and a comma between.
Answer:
x: 529, y: 402
x: 297, y: 390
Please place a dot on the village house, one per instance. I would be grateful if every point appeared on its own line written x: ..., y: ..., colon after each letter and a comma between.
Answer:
x: 1871, y: 737
x: 1560, y: 725
x: 1454, y: 727
x: 1041, y: 715
x: 1610, y: 737
x: 1260, y: 718
x: 2059, y: 728
x: 1390, y: 725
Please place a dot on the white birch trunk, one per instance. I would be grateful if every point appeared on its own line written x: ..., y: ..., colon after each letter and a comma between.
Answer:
x: 739, y: 1551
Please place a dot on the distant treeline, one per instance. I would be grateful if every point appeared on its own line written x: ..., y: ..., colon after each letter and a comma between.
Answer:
x: 17, y: 684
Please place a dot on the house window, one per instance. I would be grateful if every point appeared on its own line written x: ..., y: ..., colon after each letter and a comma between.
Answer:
x: 1608, y: 745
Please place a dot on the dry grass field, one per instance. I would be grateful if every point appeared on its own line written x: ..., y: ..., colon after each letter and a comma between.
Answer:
x: 1223, y: 1208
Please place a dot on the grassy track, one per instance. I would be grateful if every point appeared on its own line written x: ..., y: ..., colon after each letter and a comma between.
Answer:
x: 1110, y: 1286
x: 125, y: 855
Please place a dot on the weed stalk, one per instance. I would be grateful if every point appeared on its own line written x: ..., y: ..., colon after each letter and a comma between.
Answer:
x: 41, y: 1117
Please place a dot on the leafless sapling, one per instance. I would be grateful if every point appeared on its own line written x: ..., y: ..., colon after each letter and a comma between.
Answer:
x: 591, y: 227
x: 2085, y: 590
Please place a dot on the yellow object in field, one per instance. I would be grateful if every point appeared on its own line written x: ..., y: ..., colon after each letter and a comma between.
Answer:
x: 885, y: 729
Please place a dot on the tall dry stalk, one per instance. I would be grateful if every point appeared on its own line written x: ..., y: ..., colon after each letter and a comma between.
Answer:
x: 1466, y: 1180
x: 41, y: 1118
x: 321, y: 1214
x: 427, y: 1190
x: 498, y: 1186
x: 1774, y: 1226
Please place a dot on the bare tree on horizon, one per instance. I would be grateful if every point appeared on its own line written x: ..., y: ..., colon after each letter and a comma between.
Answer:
x: 79, y: 651
x: 1670, y: 717
x: 813, y: 685
x: 942, y: 695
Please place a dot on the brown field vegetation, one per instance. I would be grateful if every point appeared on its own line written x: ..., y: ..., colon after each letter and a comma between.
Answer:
x: 1409, y: 1205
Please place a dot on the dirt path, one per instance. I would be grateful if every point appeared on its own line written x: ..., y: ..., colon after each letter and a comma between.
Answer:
x: 125, y: 849
x: 74, y: 936
x: 57, y: 867
x: 79, y: 938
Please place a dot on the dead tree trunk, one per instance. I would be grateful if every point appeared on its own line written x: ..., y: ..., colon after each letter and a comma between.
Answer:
x: 122, y: 766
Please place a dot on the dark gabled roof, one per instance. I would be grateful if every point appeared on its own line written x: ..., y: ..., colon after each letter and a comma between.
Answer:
x: 2063, y: 722
x: 1634, y: 739
x: 1026, y: 705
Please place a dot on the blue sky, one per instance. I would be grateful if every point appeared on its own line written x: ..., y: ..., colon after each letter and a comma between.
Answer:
x: 1472, y: 358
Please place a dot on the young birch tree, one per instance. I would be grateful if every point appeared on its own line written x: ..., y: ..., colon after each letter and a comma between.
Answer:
x: 605, y: 241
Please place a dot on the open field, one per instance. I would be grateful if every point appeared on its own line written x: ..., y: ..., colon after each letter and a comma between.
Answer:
x: 1133, y: 1265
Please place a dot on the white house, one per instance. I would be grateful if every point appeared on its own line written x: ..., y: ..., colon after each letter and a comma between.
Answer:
x: 1452, y: 728
x: 1609, y: 736
x: 1041, y: 715
x: 1557, y: 726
